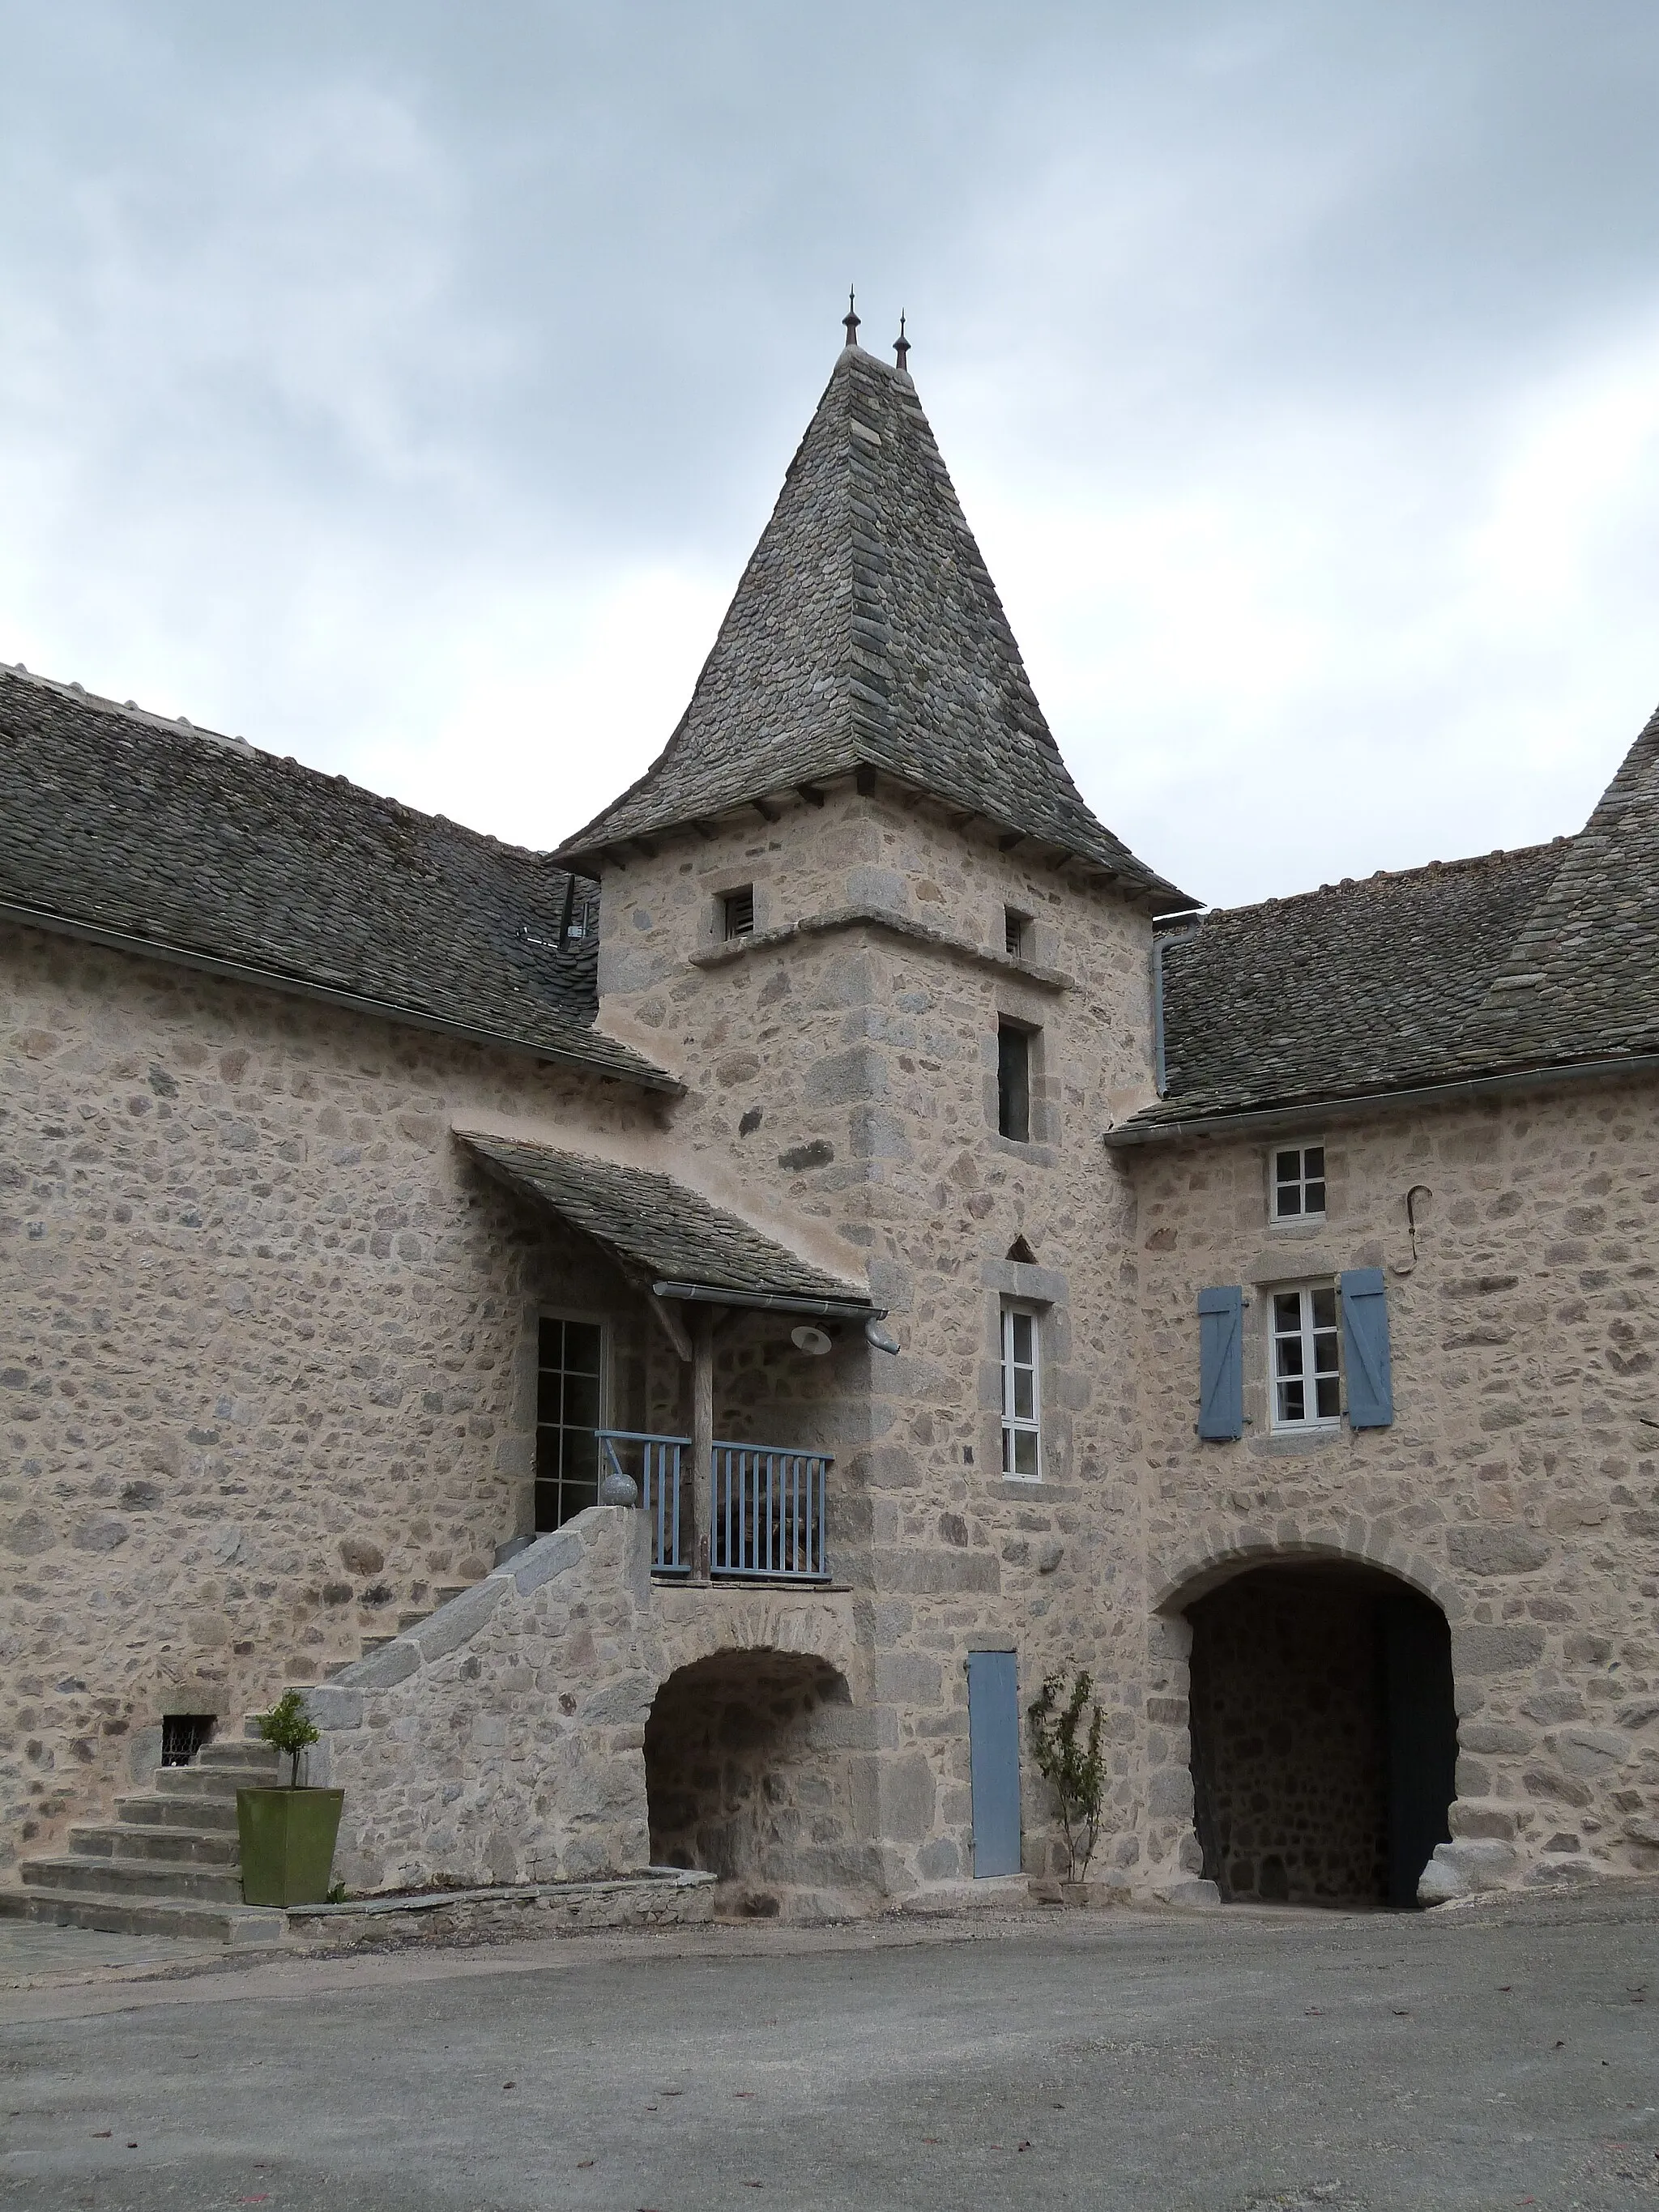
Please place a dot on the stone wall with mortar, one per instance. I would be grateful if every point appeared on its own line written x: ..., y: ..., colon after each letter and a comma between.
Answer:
x: 841, y: 1065
x: 1290, y: 1728
x: 1518, y: 1485
x: 503, y: 1739
x: 267, y: 1347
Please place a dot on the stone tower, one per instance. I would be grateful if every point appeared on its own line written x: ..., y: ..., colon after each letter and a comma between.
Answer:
x: 856, y: 896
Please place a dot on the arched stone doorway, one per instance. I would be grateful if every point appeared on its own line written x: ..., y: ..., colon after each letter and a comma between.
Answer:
x: 1324, y: 1738
x: 748, y: 1775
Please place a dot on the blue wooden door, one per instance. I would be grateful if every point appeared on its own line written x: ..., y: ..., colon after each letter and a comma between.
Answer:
x: 994, y: 1748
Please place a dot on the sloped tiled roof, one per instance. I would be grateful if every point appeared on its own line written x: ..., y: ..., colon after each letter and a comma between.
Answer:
x: 1507, y: 965
x: 658, y: 1230
x: 1581, y: 980
x: 866, y: 632
x: 1353, y: 988
x: 188, y: 845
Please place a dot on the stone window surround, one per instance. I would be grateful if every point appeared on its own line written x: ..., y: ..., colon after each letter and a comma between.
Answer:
x: 1047, y: 1292
x: 1279, y: 1270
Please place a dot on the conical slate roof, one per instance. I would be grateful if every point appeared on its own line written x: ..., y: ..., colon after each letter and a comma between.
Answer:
x: 866, y: 633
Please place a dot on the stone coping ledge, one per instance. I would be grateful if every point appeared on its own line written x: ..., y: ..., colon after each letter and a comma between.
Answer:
x: 655, y: 1879
x: 897, y: 925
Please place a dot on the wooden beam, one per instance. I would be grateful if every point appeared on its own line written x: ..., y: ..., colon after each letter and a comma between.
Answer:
x: 702, y: 1441
x: 672, y: 1327
x: 1007, y: 843
x: 766, y: 813
x: 810, y: 794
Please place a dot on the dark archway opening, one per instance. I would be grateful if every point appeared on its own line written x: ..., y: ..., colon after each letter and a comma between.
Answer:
x: 1324, y: 1736
x: 747, y: 1774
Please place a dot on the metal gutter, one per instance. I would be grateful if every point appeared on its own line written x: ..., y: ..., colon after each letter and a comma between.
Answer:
x: 238, y: 971
x: 712, y: 1294
x: 1310, y: 1114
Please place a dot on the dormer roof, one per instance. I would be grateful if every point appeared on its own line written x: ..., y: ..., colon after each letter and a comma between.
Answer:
x: 866, y: 634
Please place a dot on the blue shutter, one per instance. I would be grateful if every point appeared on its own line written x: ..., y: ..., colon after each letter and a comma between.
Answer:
x: 1365, y: 1348
x: 1221, y: 1362
x: 993, y: 1761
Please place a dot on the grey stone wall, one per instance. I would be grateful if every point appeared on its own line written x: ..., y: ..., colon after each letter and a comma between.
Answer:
x: 267, y: 1348
x: 841, y: 1065
x: 1518, y: 1485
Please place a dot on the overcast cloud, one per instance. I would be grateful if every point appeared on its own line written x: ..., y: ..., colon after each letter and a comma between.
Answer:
x: 404, y: 385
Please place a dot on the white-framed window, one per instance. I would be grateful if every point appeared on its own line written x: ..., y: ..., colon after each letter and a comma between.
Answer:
x: 1306, y: 1372
x: 570, y: 1394
x: 1022, y: 1396
x: 1299, y: 1182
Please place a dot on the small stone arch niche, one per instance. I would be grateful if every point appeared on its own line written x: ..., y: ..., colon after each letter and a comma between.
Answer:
x: 748, y: 1777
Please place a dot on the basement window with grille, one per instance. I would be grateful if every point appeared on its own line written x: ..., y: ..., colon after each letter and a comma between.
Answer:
x: 737, y: 912
x: 183, y: 1735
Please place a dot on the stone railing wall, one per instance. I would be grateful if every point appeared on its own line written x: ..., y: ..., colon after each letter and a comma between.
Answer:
x: 503, y: 1739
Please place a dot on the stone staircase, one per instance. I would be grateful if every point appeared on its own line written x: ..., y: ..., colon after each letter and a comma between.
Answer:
x: 169, y: 1864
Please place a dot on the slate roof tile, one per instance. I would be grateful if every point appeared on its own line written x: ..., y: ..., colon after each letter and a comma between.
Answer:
x: 660, y: 1231
x: 866, y: 633
x: 115, y: 820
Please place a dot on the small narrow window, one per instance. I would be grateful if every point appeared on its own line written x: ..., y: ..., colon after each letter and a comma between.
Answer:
x: 1021, y: 1435
x: 1014, y: 1083
x: 1307, y: 1381
x: 568, y: 1389
x: 1299, y: 1183
x: 1016, y: 931
x: 737, y: 910
x: 183, y: 1735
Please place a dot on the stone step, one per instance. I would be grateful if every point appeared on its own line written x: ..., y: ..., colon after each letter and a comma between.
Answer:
x: 197, y: 1812
x: 134, y: 1878
x: 237, y: 1751
x: 240, y: 1926
x: 187, y: 1846
x: 220, y: 1782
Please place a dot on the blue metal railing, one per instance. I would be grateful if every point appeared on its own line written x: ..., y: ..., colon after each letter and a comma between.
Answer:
x: 654, y: 1464
x: 768, y: 1505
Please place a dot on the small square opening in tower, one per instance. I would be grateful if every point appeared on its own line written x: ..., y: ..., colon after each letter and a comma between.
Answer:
x: 1017, y: 933
x: 737, y: 912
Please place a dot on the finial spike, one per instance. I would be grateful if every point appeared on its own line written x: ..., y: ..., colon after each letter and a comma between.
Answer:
x: 902, y: 350
x: 850, y: 320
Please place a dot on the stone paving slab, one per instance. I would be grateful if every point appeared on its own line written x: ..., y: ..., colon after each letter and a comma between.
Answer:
x: 36, y: 1954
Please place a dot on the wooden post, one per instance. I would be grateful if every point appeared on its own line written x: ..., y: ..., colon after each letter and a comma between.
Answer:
x: 702, y: 1441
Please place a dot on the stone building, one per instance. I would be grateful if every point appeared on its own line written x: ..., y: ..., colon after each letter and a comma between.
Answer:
x: 672, y: 1340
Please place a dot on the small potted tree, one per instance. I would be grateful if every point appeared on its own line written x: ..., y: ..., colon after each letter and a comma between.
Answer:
x: 288, y: 1834
x: 1074, y: 1770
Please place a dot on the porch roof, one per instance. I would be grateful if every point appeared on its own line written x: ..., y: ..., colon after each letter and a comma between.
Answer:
x: 665, y: 1237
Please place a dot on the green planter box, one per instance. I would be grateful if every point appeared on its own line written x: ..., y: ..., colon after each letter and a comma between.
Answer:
x: 288, y: 1844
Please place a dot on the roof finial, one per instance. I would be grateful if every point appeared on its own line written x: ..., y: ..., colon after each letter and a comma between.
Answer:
x: 902, y: 350
x: 850, y: 321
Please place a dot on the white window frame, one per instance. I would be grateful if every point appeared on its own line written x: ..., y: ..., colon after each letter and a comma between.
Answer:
x: 1015, y: 1424
x: 1298, y: 1183
x: 1307, y: 1336
x: 588, y: 1319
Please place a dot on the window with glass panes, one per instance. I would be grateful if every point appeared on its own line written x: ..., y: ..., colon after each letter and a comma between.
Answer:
x: 1022, y: 1440
x: 569, y: 1382
x: 1307, y: 1381
x: 1299, y: 1183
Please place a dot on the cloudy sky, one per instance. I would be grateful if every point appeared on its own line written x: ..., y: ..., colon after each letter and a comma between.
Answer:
x: 403, y: 385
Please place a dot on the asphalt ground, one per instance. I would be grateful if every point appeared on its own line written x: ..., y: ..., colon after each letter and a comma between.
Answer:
x: 1234, y: 2061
